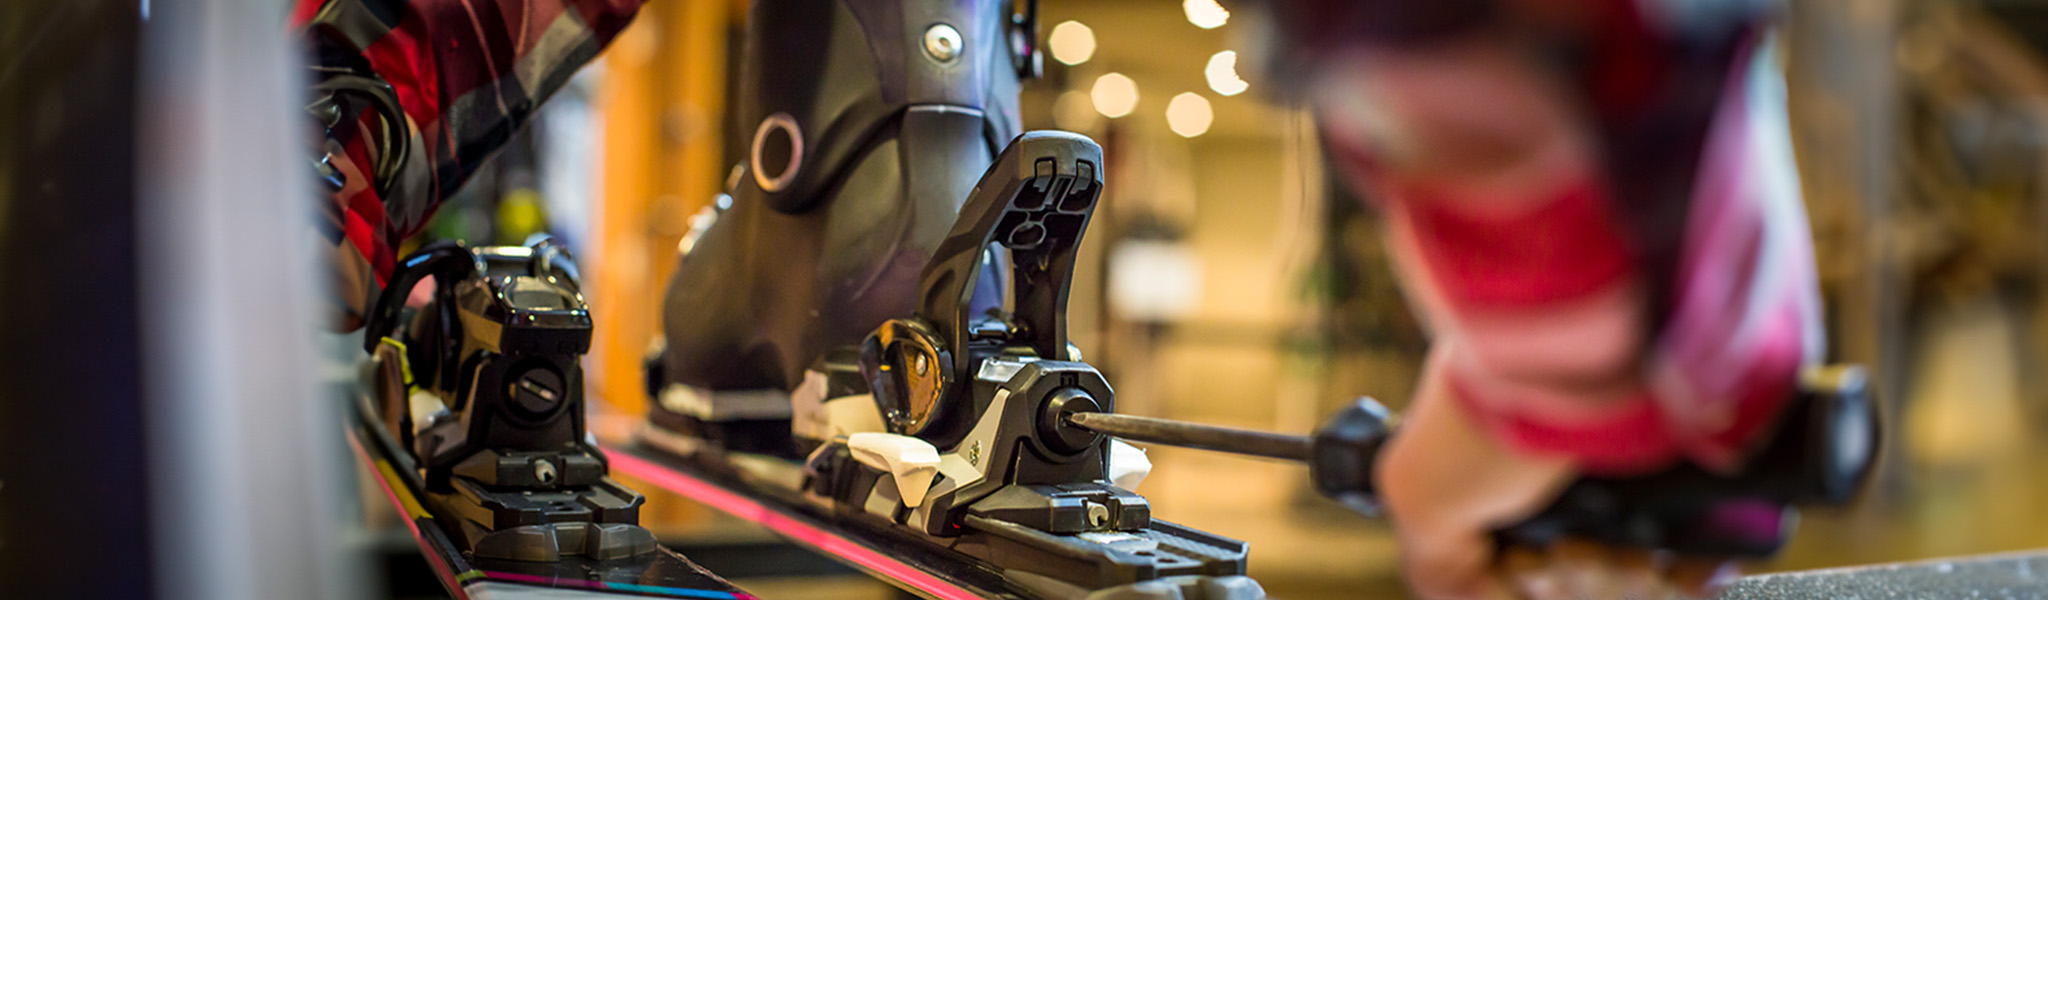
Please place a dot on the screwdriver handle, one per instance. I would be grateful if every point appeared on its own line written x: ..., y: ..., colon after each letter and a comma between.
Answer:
x: 1823, y: 452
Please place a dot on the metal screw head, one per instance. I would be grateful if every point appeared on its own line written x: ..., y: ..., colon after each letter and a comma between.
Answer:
x: 943, y: 43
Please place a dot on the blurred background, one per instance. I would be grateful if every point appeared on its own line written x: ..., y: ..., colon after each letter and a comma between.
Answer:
x: 1230, y: 278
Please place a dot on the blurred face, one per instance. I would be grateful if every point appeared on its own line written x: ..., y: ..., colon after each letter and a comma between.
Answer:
x: 1460, y: 113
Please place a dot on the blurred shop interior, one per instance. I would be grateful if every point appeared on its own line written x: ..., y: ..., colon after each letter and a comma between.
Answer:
x: 1230, y: 278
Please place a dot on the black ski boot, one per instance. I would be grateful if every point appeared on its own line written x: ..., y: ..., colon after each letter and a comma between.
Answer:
x: 871, y: 121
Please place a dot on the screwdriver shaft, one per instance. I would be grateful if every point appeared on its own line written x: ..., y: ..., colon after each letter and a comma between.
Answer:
x: 1181, y: 434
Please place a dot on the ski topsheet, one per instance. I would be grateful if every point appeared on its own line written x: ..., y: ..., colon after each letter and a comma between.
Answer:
x: 660, y: 574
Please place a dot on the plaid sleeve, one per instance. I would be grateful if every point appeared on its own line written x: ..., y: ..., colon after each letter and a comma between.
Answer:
x: 1593, y: 203
x: 463, y: 75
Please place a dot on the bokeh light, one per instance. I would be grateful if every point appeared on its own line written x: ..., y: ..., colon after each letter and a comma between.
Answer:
x: 1072, y: 42
x: 1115, y: 95
x: 1075, y: 112
x: 1190, y: 115
x: 1205, y: 14
x: 1222, y: 74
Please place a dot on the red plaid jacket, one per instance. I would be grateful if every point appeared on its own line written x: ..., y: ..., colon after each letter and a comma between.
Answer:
x: 466, y: 74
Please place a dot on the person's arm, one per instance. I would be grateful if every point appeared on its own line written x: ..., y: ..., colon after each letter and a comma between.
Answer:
x: 1445, y: 481
x: 463, y: 76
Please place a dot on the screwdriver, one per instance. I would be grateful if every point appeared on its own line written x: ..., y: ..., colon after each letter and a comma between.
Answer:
x: 1822, y: 454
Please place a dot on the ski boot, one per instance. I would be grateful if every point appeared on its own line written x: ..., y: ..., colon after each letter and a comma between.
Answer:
x: 871, y: 120
x: 473, y: 406
x: 944, y: 432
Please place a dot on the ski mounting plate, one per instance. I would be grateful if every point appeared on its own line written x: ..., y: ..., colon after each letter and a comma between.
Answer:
x: 963, y: 567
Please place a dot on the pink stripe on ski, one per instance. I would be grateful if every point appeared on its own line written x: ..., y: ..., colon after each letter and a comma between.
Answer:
x: 788, y: 527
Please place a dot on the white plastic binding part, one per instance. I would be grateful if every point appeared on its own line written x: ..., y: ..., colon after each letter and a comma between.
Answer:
x: 1128, y: 465
x: 815, y: 417
x: 912, y: 462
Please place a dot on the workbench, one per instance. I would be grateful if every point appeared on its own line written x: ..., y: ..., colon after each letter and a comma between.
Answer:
x: 2013, y: 577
